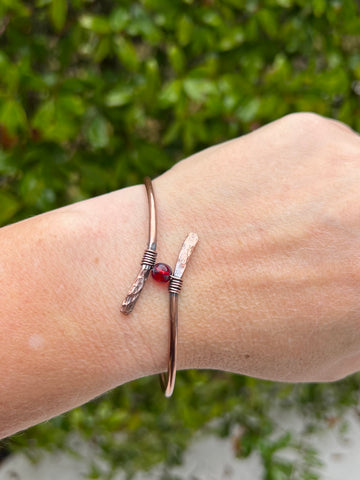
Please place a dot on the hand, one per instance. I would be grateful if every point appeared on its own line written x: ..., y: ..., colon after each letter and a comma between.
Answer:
x: 273, y: 289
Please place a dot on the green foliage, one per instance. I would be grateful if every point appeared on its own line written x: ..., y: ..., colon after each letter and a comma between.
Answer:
x: 94, y: 95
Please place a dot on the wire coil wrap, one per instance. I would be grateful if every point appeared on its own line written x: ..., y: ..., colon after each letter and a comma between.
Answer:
x: 167, y: 379
x: 149, y: 258
x: 175, y: 284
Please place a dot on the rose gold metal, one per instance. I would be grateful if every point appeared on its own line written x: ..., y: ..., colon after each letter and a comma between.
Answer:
x: 152, y: 214
x: 149, y: 257
x: 168, y: 380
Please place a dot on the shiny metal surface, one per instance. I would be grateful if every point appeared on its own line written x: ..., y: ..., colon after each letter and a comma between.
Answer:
x: 186, y: 250
x: 167, y: 380
x: 149, y: 257
x: 152, y: 214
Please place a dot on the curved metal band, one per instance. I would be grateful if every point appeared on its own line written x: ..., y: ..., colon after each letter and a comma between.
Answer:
x: 149, y: 257
x: 152, y: 214
x: 167, y: 380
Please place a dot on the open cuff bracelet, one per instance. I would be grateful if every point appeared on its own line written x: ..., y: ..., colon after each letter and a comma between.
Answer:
x: 162, y: 272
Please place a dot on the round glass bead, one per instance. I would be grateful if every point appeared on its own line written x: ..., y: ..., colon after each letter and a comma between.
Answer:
x: 161, y: 272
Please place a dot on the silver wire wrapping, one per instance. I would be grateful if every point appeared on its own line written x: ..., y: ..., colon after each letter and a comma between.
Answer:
x: 167, y: 381
x: 149, y: 256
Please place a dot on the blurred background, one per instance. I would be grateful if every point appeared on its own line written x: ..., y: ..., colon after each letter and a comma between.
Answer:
x: 96, y: 95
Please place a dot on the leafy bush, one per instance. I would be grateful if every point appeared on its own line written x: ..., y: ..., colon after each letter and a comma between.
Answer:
x: 95, y: 95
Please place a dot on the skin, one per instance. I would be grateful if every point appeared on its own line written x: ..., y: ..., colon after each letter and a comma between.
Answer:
x: 271, y: 291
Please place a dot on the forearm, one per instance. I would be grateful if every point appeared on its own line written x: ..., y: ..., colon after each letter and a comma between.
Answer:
x: 63, y: 339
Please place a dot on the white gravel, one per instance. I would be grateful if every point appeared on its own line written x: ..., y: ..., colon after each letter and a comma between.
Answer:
x: 210, y: 458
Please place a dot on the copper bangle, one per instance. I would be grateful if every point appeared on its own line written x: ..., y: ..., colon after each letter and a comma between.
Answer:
x: 149, y: 257
x: 167, y: 381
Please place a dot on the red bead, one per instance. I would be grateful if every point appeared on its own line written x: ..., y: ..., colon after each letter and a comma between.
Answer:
x: 161, y: 272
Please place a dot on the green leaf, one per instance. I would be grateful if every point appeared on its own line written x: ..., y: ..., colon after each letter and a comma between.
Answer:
x: 13, y: 116
x: 232, y: 39
x: 319, y: 7
x: 98, y: 132
x: 185, y: 30
x: 176, y: 58
x: 127, y: 53
x: 199, y: 88
x: 248, y: 111
x: 44, y: 116
x: 171, y: 133
x: 16, y: 6
x: 268, y: 20
x: 211, y: 17
x: 118, y: 96
x: 95, y: 23
x: 73, y: 104
x: 119, y: 18
x: 170, y: 94
x: 102, y: 50
x: 58, y: 12
x: 152, y: 77
x: 57, y: 118
x: 32, y: 187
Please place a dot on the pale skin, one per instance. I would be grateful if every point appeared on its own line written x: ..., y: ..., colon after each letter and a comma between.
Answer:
x: 271, y: 291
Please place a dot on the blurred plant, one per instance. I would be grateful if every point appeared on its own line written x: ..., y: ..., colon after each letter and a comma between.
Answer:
x: 95, y: 95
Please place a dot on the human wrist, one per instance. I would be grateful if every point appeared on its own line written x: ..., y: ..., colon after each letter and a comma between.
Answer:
x: 113, y: 230
x: 147, y: 328
x: 183, y: 208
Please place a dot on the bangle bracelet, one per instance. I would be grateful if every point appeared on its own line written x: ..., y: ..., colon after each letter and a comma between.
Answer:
x: 149, y: 257
x: 161, y: 272
x: 168, y: 381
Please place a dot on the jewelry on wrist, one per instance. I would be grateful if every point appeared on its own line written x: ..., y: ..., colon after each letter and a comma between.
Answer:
x: 168, y: 381
x: 149, y: 256
x: 162, y: 272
